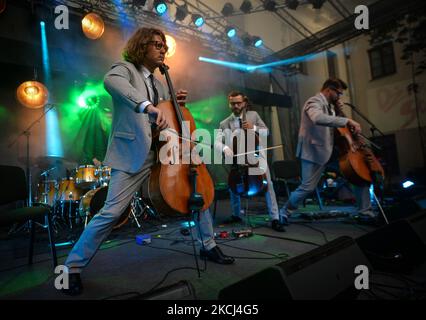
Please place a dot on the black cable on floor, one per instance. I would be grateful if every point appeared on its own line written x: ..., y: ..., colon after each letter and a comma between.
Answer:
x: 313, y: 228
x: 280, y: 256
x: 137, y: 294
x: 289, y: 239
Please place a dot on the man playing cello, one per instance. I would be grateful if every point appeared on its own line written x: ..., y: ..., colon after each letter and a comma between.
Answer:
x: 316, y: 143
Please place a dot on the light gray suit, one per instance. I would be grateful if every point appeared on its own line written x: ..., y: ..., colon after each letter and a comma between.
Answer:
x: 130, y: 138
x: 318, y: 119
x: 231, y: 123
x: 315, y: 147
x: 129, y: 156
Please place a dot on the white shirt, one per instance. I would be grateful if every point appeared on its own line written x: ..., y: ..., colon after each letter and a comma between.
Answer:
x: 236, y: 123
x: 146, y: 74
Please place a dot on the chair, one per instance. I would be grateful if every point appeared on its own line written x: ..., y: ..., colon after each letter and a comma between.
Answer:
x: 288, y: 171
x: 221, y: 192
x: 13, y: 188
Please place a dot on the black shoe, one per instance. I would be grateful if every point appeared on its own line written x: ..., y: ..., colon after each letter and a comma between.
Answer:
x: 277, y: 226
x: 75, y: 286
x: 284, y: 220
x: 233, y: 219
x: 216, y: 255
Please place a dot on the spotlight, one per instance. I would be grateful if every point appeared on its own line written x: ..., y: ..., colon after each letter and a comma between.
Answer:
x: 407, y: 184
x: 171, y: 43
x: 230, y: 32
x: 292, y: 4
x: 93, y: 26
x: 269, y: 5
x: 246, y: 6
x: 197, y: 19
x: 160, y: 7
x: 181, y: 12
x: 257, y: 41
x: 88, y: 99
x: 228, y: 9
x: 32, y: 94
x: 317, y: 4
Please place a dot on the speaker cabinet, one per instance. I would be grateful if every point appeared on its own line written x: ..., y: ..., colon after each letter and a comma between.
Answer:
x: 327, y: 272
x: 398, y: 247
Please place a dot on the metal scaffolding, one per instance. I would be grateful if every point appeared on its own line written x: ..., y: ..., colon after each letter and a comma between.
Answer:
x: 380, y: 12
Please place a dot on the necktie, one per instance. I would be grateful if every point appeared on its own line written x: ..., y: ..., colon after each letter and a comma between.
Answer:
x: 155, y: 102
x: 240, y: 122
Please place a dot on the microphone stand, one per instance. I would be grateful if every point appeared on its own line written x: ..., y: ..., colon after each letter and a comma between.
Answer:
x: 27, y: 134
x: 373, y: 128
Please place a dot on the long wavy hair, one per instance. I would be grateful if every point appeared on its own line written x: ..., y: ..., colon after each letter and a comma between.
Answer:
x: 137, y: 46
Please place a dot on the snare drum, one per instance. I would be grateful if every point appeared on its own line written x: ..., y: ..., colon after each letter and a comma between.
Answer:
x: 93, y: 201
x: 68, y: 191
x: 46, y: 192
x: 85, y: 176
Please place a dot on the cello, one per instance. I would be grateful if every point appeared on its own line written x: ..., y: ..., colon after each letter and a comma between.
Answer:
x: 359, y: 166
x: 240, y: 181
x: 172, y: 187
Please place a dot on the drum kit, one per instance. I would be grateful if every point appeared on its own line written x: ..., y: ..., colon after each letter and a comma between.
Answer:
x: 77, y: 198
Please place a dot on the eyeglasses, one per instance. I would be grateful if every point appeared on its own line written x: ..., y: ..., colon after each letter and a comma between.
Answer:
x: 159, y: 45
x: 339, y: 93
x: 237, y: 103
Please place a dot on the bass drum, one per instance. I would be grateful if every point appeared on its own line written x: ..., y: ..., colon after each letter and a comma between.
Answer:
x: 93, y: 201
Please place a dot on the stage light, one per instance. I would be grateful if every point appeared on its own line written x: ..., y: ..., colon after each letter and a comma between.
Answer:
x: 269, y: 5
x: 32, y: 94
x: 227, y: 9
x: 88, y: 99
x: 257, y: 41
x: 171, y: 43
x: 246, y: 6
x: 292, y: 4
x: 93, y: 26
x: 160, y: 7
x: 42, y: 24
x: 317, y: 4
x: 197, y: 19
x: 230, y: 32
x: 407, y: 184
x: 181, y: 12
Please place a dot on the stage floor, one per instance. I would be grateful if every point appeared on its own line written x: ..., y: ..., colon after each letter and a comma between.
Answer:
x: 122, y: 266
